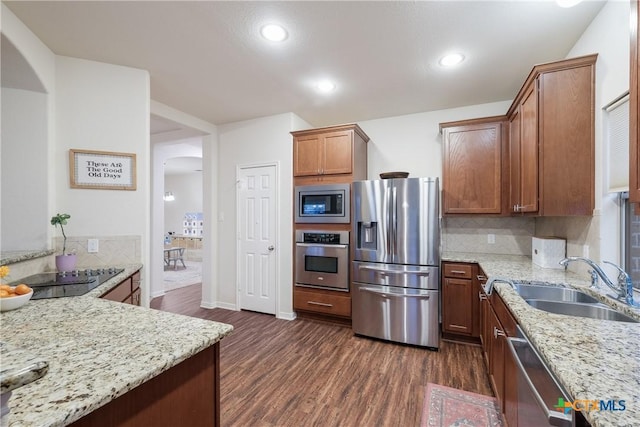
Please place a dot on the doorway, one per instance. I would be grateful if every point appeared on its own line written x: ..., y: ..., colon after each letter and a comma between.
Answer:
x: 183, y: 222
x: 257, y: 252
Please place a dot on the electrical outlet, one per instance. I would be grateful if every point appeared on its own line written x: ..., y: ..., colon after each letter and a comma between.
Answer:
x: 585, y: 251
x: 491, y: 239
x: 92, y: 246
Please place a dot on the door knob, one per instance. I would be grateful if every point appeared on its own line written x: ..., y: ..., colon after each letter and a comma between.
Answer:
x: 271, y: 248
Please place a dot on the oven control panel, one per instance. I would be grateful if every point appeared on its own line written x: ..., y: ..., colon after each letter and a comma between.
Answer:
x: 323, y: 237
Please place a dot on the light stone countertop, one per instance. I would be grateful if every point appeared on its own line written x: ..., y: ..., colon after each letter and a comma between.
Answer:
x: 592, y: 359
x: 11, y: 257
x: 96, y: 350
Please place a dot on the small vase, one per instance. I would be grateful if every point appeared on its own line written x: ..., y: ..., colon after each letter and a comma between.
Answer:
x: 66, y: 262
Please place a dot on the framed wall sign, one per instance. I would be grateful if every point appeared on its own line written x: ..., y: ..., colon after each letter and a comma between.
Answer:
x: 102, y: 170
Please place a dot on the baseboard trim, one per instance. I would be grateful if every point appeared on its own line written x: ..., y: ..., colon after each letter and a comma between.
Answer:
x: 287, y: 316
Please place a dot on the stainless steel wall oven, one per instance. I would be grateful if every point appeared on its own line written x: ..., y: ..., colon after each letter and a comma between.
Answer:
x: 322, y: 259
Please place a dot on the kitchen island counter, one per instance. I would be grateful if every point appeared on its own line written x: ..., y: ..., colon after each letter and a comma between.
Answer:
x: 97, y: 351
x: 592, y: 359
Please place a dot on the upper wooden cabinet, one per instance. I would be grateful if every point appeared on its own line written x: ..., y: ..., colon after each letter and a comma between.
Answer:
x: 474, y: 157
x: 634, y: 108
x: 539, y: 159
x: 552, y: 154
x: 330, y: 151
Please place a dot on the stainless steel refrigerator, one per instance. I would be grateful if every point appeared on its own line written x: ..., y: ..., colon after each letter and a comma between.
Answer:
x: 396, y: 280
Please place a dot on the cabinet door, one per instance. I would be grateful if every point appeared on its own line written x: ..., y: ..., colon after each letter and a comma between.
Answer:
x: 567, y: 160
x: 472, y: 169
x: 514, y: 160
x: 498, y: 346
x: 306, y: 159
x: 337, y: 153
x: 528, y: 162
x: 457, y: 310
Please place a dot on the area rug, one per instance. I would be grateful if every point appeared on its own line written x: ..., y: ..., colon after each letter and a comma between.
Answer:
x: 174, y: 279
x: 448, y: 407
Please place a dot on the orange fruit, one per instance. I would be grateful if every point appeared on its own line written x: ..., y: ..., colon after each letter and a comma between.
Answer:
x: 22, y: 289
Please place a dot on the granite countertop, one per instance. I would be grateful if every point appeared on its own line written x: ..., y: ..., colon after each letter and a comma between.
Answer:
x: 11, y: 257
x: 593, y: 359
x: 19, y: 367
x: 96, y: 350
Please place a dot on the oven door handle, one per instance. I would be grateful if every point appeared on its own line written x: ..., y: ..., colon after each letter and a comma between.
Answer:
x: 395, y: 295
x: 385, y: 271
x: 322, y: 245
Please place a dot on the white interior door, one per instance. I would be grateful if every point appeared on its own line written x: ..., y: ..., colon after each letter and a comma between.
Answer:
x: 257, y: 250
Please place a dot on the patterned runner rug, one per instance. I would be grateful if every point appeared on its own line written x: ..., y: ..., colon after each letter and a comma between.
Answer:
x: 448, y: 407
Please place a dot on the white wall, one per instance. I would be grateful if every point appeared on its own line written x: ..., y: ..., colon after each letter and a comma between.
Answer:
x: 412, y: 143
x: 103, y: 107
x: 260, y: 141
x: 106, y: 108
x: 35, y: 110
x: 608, y: 36
x: 25, y: 219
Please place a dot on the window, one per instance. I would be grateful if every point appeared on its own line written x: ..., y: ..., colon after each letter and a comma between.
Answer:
x: 630, y: 225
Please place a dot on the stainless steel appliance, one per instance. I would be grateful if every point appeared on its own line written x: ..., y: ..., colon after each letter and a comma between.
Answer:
x: 68, y: 284
x: 396, y: 276
x: 322, y: 259
x: 538, y: 391
x: 329, y: 203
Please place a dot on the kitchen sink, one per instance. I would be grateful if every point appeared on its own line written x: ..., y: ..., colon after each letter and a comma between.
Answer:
x: 553, y: 293
x: 592, y: 311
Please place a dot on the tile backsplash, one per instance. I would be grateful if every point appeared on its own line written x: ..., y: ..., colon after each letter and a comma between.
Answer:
x: 112, y: 250
x: 471, y: 234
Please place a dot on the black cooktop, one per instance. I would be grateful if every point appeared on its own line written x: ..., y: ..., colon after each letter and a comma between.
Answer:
x: 68, y: 284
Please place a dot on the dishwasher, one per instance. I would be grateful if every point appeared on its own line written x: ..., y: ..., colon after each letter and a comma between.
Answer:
x: 538, y: 390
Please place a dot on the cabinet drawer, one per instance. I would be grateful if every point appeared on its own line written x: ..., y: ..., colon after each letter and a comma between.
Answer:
x: 459, y: 271
x: 308, y: 300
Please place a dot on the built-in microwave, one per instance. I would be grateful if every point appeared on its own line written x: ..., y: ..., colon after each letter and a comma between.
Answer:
x: 329, y: 203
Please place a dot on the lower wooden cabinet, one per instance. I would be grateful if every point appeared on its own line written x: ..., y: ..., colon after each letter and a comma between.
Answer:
x: 497, y: 324
x: 187, y: 394
x: 319, y: 301
x: 460, y: 304
x: 127, y: 291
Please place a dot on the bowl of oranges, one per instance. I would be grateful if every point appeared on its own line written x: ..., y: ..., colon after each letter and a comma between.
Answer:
x: 12, y: 297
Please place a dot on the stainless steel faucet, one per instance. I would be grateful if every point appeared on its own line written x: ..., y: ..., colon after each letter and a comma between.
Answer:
x: 624, y: 287
x: 488, y: 287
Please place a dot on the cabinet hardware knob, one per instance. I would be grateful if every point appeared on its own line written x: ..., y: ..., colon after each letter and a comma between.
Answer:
x: 482, y: 296
x: 481, y: 277
x: 457, y: 272
x: 498, y: 332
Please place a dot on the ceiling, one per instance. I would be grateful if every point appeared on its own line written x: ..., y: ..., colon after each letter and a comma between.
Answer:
x: 206, y: 58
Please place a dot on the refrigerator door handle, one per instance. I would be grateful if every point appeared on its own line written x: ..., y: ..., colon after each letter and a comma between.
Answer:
x: 394, y: 295
x: 388, y: 236
x: 394, y: 222
x: 386, y: 271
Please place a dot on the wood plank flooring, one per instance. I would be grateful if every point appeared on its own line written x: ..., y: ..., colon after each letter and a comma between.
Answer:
x: 307, y: 373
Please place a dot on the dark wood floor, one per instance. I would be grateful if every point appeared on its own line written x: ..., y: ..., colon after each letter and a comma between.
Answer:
x: 308, y: 373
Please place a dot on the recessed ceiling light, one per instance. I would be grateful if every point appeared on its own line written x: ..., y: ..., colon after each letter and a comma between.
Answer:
x: 325, y: 86
x: 273, y: 32
x: 567, y: 3
x: 451, y: 59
